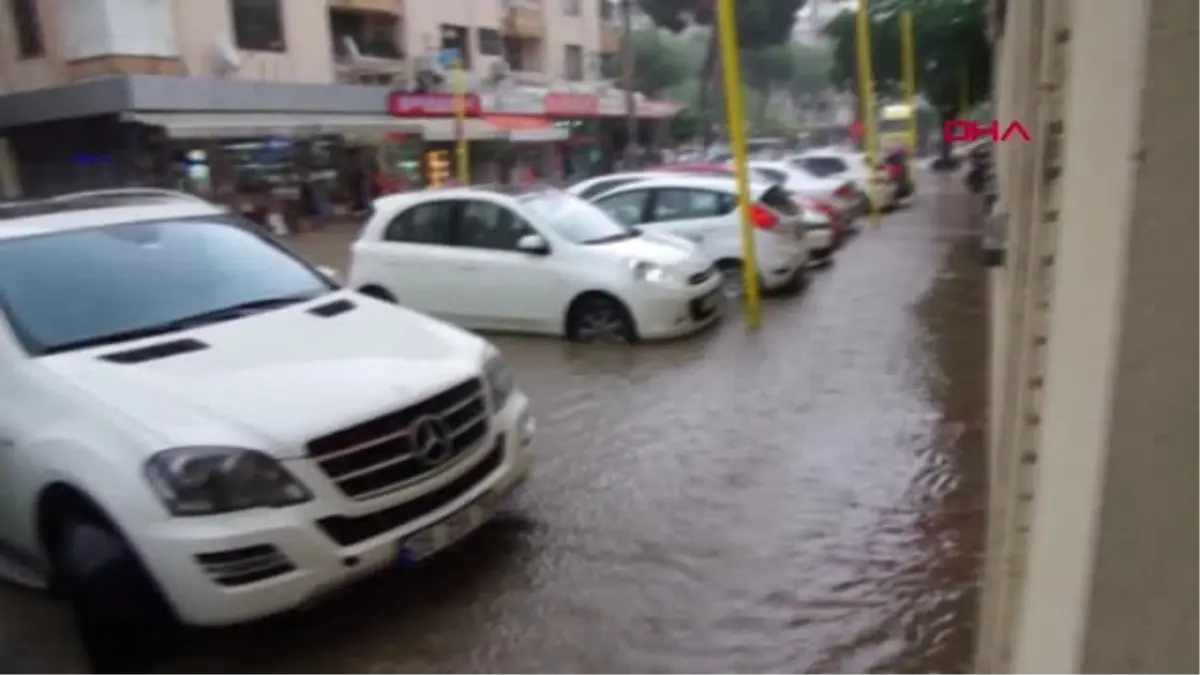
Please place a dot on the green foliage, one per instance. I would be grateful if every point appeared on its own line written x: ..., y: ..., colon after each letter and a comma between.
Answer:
x: 951, y: 49
x: 761, y: 23
x: 661, y: 60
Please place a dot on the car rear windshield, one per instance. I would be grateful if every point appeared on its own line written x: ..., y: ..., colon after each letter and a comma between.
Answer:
x: 777, y: 198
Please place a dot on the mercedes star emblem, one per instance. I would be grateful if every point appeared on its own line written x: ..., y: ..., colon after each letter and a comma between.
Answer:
x: 431, y: 441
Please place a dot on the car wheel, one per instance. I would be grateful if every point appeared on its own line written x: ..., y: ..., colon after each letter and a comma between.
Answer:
x: 600, y: 318
x: 798, y: 282
x: 732, y: 280
x: 123, y: 622
x: 378, y: 292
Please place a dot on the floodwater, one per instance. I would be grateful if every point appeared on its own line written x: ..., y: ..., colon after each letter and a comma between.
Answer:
x: 806, y: 498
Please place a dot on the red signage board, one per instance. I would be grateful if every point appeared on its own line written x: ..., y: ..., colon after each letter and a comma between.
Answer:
x: 406, y: 104
x: 564, y: 104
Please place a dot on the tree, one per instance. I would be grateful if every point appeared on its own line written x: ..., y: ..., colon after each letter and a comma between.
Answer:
x: 660, y: 62
x: 761, y: 23
x: 950, y: 44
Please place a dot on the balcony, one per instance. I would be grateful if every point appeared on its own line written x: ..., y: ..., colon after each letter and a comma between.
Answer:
x: 522, y: 19
x: 365, y: 42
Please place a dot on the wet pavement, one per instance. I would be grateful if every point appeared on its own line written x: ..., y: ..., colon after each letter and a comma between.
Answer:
x: 807, y: 498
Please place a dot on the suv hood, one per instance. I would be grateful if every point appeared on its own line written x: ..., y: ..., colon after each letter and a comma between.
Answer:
x: 274, y: 380
x: 660, y: 249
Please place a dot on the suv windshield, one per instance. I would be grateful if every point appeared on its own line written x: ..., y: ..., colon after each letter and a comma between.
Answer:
x: 575, y: 220
x: 87, y: 287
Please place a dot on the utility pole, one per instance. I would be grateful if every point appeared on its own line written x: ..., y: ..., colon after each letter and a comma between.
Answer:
x: 627, y: 67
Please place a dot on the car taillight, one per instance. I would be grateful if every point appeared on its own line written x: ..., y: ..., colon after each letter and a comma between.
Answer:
x: 844, y: 192
x: 763, y: 218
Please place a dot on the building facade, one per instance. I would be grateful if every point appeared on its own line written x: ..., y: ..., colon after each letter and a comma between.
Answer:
x: 1092, y: 552
x: 87, y: 79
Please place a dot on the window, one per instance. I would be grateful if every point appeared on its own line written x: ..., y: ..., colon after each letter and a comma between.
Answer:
x: 427, y: 223
x: 822, y: 166
x: 679, y: 204
x: 575, y: 220
x: 65, y: 290
x: 602, y: 186
x: 457, y: 38
x: 574, y: 63
x: 490, y: 42
x: 29, y: 29
x: 608, y: 11
x: 772, y: 175
x: 258, y: 25
x: 375, y: 35
x: 572, y: 7
x: 488, y: 225
x: 626, y: 208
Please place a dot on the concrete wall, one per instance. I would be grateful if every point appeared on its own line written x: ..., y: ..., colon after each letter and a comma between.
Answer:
x: 1101, y: 576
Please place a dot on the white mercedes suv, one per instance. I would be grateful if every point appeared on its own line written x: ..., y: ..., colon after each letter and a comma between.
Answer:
x: 187, y: 403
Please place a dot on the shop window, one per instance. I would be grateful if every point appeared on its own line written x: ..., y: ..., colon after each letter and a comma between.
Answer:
x: 258, y: 25
x: 574, y: 63
x: 490, y: 42
x: 30, y: 44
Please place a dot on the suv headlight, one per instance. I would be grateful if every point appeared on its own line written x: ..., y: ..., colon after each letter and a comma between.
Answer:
x: 655, y: 274
x: 200, y: 481
x: 499, y: 380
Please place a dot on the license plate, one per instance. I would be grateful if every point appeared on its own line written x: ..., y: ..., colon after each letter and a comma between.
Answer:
x: 424, y: 543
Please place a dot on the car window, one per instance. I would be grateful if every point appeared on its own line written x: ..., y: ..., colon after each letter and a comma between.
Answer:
x: 626, y: 208
x: 773, y: 175
x: 427, y: 223
x: 823, y: 166
x: 602, y: 186
x: 487, y: 225
x: 680, y: 204
x: 573, y: 219
x: 71, y: 289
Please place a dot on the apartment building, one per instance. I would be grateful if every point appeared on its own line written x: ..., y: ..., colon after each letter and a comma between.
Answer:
x: 95, y: 76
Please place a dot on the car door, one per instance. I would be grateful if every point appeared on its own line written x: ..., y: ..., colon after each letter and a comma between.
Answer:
x: 503, y: 288
x: 699, y: 215
x: 420, y: 265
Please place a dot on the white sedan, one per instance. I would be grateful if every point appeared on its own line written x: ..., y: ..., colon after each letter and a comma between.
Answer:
x: 541, y: 262
x: 704, y: 210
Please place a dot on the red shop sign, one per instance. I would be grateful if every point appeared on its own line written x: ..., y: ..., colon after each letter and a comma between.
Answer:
x: 561, y: 104
x: 405, y: 104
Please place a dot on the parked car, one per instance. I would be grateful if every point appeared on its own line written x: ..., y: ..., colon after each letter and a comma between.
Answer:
x: 824, y: 226
x: 716, y: 169
x: 848, y: 165
x: 704, y: 210
x: 593, y: 187
x: 539, y: 262
x: 191, y: 410
x: 840, y: 192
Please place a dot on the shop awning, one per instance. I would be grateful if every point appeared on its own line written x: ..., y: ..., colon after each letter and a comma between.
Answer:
x: 359, y: 128
x: 524, y: 129
x: 475, y: 129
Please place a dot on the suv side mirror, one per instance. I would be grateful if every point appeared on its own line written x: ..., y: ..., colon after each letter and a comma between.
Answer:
x: 533, y: 244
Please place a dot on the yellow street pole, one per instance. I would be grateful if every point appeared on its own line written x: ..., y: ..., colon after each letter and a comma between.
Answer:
x: 866, y: 94
x: 908, y: 58
x: 461, y: 155
x: 731, y: 71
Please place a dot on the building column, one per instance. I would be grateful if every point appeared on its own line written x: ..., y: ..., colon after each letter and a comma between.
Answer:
x: 1110, y: 581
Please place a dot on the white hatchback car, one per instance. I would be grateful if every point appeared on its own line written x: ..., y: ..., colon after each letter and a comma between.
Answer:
x: 847, y: 165
x: 539, y: 262
x: 190, y: 409
x: 704, y: 210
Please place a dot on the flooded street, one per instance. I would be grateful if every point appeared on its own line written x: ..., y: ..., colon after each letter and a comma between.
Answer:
x: 807, y: 498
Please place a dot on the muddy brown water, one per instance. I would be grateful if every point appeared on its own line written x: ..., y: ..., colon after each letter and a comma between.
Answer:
x: 807, y: 498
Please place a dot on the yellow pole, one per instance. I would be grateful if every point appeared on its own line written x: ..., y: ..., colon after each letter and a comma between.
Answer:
x: 731, y: 70
x: 866, y: 94
x: 908, y: 58
x: 461, y: 155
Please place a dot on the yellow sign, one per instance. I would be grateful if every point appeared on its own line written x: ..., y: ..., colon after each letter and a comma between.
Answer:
x: 437, y: 167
